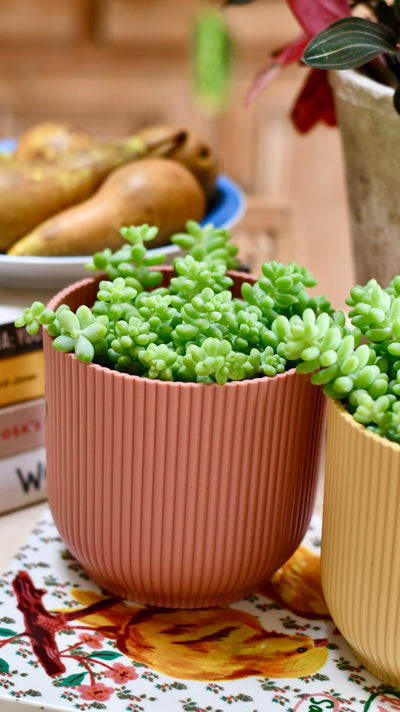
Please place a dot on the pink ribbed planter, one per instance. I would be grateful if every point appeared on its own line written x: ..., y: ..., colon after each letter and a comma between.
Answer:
x: 178, y: 494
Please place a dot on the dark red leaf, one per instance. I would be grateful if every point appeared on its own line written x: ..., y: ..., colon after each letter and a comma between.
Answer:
x: 315, y: 15
x: 293, y: 52
x: 314, y: 103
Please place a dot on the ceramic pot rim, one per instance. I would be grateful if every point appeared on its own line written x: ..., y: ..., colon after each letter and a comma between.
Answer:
x: 356, y: 426
x: 353, y: 78
x: 358, y: 89
x: 64, y: 293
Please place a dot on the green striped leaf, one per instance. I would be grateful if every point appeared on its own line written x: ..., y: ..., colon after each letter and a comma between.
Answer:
x: 349, y: 43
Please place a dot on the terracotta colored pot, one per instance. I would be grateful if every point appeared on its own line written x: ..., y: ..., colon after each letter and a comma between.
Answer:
x: 360, y: 550
x: 178, y: 494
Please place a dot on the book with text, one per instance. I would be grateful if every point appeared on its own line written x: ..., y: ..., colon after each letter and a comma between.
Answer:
x: 22, y: 415
x: 22, y: 479
x: 21, y: 360
x: 22, y: 426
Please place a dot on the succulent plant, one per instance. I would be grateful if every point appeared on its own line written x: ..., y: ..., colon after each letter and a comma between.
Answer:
x: 194, y: 329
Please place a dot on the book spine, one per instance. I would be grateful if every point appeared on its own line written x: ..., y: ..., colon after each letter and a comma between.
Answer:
x: 21, y: 364
x: 15, y: 341
x: 22, y: 427
x: 22, y: 479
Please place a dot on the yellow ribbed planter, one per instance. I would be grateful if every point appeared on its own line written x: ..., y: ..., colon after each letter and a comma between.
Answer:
x: 360, y: 551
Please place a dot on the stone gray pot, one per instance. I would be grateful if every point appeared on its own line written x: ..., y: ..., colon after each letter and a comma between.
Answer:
x: 370, y: 130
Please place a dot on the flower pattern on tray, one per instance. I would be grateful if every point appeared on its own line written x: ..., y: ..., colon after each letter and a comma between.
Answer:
x: 67, y: 645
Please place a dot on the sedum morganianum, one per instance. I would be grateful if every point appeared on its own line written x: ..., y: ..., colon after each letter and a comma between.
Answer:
x: 195, y: 330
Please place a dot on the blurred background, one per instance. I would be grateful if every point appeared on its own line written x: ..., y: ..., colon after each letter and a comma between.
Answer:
x: 113, y: 66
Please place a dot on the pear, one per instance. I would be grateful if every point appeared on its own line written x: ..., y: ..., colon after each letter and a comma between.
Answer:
x: 32, y: 191
x: 49, y: 140
x: 157, y: 191
x: 193, y: 152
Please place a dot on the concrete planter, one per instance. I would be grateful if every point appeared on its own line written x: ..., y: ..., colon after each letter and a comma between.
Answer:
x: 370, y: 130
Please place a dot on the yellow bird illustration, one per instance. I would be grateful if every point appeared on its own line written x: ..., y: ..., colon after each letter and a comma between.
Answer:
x: 297, y: 585
x: 203, y: 644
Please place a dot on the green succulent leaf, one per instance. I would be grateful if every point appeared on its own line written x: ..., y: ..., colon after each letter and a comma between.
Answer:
x: 69, y: 321
x: 64, y: 343
x: 85, y: 316
x: 349, y: 43
x: 84, y: 349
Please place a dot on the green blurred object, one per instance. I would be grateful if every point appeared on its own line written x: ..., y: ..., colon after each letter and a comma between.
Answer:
x: 211, y: 59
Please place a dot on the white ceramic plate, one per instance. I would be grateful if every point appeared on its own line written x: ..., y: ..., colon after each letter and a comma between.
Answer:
x: 54, y: 273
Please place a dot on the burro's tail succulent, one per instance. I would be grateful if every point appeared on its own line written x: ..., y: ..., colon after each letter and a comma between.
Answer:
x: 194, y: 329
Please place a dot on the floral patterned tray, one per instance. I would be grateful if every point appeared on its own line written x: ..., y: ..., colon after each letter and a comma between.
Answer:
x: 66, y: 645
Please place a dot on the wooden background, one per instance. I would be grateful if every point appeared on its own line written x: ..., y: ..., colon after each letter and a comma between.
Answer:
x: 112, y: 66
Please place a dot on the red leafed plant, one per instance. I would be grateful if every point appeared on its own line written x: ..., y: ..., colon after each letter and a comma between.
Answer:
x: 334, y: 37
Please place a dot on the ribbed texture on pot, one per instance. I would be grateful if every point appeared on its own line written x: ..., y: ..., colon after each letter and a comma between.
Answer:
x: 360, y: 552
x: 179, y: 494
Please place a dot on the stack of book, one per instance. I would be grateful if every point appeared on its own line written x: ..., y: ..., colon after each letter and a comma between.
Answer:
x: 22, y: 415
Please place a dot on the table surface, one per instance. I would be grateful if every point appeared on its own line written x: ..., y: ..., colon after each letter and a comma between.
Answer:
x: 168, y: 673
x: 15, y: 527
